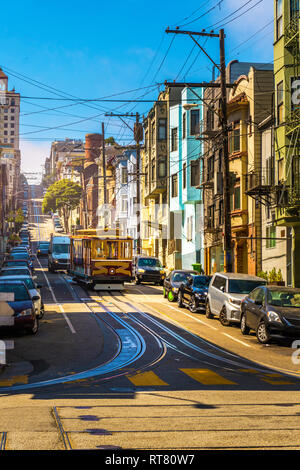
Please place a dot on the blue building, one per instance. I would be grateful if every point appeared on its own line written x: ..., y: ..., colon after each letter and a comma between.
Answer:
x: 185, y: 170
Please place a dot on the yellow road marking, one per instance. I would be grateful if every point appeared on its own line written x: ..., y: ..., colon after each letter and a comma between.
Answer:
x: 146, y: 379
x: 21, y: 379
x: 207, y: 377
x: 276, y: 379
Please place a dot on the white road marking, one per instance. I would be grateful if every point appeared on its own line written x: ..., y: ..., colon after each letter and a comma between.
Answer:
x: 53, y: 295
x: 235, y: 339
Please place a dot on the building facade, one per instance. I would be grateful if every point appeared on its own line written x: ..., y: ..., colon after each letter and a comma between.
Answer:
x: 287, y: 124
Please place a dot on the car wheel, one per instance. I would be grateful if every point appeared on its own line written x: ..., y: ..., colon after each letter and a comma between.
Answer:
x: 208, y: 313
x: 165, y: 293
x: 179, y: 299
x: 245, y: 330
x: 171, y: 297
x: 223, y: 317
x: 262, y: 334
x: 193, y: 307
x: 42, y: 313
x: 34, y: 329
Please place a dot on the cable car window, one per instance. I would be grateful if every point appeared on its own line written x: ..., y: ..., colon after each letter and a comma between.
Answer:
x: 126, y: 250
x: 99, y: 249
x: 112, y: 250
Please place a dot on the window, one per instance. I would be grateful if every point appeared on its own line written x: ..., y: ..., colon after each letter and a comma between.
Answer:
x: 174, y: 185
x: 195, y: 120
x: 153, y: 132
x: 211, y: 217
x: 221, y: 205
x: 162, y: 169
x: 210, y: 168
x: 184, y: 176
x: 296, y: 174
x: 153, y: 170
x: 195, y: 173
x: 234, y: 138
x: 294, y: 9
x: 235, y: 200
x: 210, y: 119
x: 174, y: 141
x: 124, y: 176
x: 124, y: 204
x: 189, y: 228
x: 184, y: 126
x: 219, y: 282
x: 279, y: 19
x: 271, y: 236
x: 280, y: 103
x: 162, y: 129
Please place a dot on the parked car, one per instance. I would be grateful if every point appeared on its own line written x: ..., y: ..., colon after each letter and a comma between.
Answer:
x: 192, y: 293
x: 21, y: 256
x: 43, y: 249
x: 173, y: 281
x: 225, y: 294
x: 148, y: 269
x: 272, y: 312
x: 20, y: 305
x: 16, y: 271
x: 16, y: 264
x: 33, y: 289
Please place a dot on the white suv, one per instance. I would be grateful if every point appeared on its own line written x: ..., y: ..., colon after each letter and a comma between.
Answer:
x: 225, y: 294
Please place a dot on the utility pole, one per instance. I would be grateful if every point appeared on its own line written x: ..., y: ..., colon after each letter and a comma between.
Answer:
x: 223, y: 119
x: 138, y: 137
x: 104, y: 166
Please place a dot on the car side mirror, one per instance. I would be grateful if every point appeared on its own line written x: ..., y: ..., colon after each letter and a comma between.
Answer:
x: 35, y: 297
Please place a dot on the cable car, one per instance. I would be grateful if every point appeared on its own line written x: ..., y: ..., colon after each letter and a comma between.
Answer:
x: 101, y: 259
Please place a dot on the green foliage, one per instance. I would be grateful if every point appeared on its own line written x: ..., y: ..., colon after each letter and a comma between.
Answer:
x: 271, y: 276
x: 61, y: 194
x: 263, y: 275
x: 110, y: 140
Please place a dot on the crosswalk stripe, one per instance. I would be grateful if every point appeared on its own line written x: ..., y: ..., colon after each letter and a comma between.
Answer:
x: 146, y: 379
x: 207, y: 377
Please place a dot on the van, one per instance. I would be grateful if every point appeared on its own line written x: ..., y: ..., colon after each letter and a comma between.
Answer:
x: 59, y: 253
x: 148, y: 269
x: 225, y: 294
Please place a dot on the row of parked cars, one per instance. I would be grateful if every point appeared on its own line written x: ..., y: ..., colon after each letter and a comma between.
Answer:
x: 57, y: 223
x: 271, y: 311
x: 19, y: 290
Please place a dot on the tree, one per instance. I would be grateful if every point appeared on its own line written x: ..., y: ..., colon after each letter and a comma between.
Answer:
x: 63, y: 196
x: 110, y: 140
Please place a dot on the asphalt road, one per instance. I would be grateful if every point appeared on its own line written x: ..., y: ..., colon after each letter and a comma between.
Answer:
x: 129, y: 370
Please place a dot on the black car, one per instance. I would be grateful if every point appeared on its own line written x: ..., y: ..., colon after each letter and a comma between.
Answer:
x: 173, y: 281
x: 272, y: 312
x: 148, y: 269
x: 193, y: 292
x: 20, y: 306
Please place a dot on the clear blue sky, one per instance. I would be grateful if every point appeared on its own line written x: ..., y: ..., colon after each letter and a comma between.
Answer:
x: 94, y: 49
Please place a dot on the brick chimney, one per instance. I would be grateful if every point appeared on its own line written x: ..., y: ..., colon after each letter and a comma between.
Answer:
x: 93, y: 144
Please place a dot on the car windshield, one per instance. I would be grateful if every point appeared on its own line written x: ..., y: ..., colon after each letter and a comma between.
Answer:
x: 43, y: 247
x: 59, y: 249
x: 149, y: 262
x: 15, y: 263
x: 19, y: 290
x: 180, y: 277
x: 243, y: 286
x: 15, y: 272
x: 21, y: 255
x: 283, y: 298
x: 201, y: 281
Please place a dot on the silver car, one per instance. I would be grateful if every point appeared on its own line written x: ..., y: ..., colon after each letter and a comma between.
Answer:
x: 34, y: 291
x: 225, y: 294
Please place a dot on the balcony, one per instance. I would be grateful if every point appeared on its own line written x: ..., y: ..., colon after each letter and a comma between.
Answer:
x: 260, y: 186
x: 293, y: 122
x: 291, y: 34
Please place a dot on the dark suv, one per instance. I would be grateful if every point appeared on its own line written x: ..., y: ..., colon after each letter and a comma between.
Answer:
x: 148, y: 269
